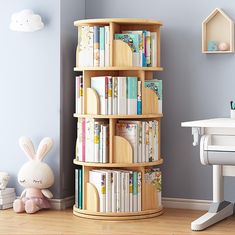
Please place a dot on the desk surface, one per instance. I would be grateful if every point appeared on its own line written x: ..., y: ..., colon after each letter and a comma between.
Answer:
x: 215, y: 122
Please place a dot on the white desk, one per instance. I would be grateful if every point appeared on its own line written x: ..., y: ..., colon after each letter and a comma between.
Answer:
x: 217, y: 148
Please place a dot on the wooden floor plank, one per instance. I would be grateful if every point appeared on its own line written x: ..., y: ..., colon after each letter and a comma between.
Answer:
x: 173, y: 221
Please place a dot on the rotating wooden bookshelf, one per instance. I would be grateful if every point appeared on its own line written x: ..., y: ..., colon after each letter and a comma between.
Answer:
x: 120, y: 151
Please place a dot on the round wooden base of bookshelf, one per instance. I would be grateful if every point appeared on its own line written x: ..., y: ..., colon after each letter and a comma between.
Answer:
x: 117, y: 216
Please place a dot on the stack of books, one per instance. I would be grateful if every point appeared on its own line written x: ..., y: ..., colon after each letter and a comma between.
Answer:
x: 78, y: 188
x: 143, y: 44
x: 118, y: 95
x: 143, y: 137
x: 119, y: 190
x: 92, y: 143
x: 93, y: 46
x: 7, y: 197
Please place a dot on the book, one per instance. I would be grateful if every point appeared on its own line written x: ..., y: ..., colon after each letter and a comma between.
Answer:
x: 7, y: 199
x: 148, y: 48
x: 122, y: 192
x: 79, y: 95
x: 102, y: 47
x: 76, y: 188
x: 80, y: 189
x: 150, y: 153
x: 89, y: 149
x: 115, y: 95
x: 138, y: 137
x: 100, y: 84
x: 83, y: 46
x: 131, y: 190
x: 135, y: 191
x: 133, y: 41
x: 98, y: 179
x: 153, y: 49
x: 144, y: 141
x: 96, y: 46
x: 110, y: 95
x: 118, y: 191
x: 129, y: 131
x: 6, y: 191
x: 105, y: 150
x: 132, y: 95
x: 139, y: 98
x: 156, y: 86
x: 121, y: 96
x: 80, y: 149
x: 6, y: 206
x: 83, y: 143
x: 107, y: 45
x: 97, y: 130
x: 114, y: 191
x: 139, y: 191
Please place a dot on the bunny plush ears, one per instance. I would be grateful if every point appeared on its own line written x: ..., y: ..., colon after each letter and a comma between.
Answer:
x: 28, y: 148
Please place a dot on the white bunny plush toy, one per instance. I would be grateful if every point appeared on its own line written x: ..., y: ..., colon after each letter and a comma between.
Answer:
x: 35, y: 176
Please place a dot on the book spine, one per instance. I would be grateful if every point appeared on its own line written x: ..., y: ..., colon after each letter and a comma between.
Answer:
x: 150, y: 154
x: 91, y: 47
x: 96, y: 46
x: 80, y: 197
x: 147, y: 142
x: 114, y: 191
x: 139, y: 98
x: 143, y: 141
x: 105, y: 144
x: 132, y: 95
x: 108, y: 192
x: 144, y: 49
x: 154, y: 49
x: 127, y: 192
x: 101, y: 144
x: 140, y: 142
x: 110, y: 95
x: 76, y: 188
x: 122, y: 110
x: 81, y: 96
x: 131, y: 190
x: 148, y: 50
x: 83, y: 139
x: 118, y: 191
x: 89, y: 140
x: 102, y: 45
x: 135, y: 191
x: 103, y: 193
x: 107, y: 46
x: 122, y: 192
x: 106, y: 95
x: 115, y: 96
x: 139, y: 191
x: 77, y: 95
x: 96, y: 141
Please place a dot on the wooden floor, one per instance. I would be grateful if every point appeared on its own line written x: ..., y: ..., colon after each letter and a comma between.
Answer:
x: 173, y: 221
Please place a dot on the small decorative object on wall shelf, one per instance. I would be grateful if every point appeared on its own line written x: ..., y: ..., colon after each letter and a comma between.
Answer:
x: 218, y: 33
x: 26, y: 21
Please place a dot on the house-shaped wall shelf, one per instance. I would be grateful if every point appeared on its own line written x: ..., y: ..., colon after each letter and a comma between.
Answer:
x: 217, y: 28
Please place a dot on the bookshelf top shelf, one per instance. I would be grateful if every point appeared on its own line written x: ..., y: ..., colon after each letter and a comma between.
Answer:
x: 142, y: 164
x: 144, y: 116
x: 117, y: 20
x: 129, y: 68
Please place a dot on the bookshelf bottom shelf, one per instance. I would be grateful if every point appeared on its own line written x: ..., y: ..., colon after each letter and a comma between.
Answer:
x: 118, y: 216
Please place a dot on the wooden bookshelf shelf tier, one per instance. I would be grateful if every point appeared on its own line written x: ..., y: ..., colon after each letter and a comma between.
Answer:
x: 120, y: 150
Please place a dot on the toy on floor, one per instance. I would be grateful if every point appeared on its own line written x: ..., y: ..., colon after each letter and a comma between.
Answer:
x: 35, y: 176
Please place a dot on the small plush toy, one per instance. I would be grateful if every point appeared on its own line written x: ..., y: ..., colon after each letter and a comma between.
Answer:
x: 35, y: 176
x: 212, y: 46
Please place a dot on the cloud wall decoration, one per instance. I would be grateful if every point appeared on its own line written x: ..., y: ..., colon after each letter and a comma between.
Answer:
x: 26, y: 21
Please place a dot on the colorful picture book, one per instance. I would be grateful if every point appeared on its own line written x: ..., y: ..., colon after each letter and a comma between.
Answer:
x: 78, y: 188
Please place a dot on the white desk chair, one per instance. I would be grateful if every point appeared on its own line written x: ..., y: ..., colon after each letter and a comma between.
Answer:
x: 217, y: 148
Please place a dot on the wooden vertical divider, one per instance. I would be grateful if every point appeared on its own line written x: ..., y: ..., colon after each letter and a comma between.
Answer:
x: 86, y: 84
x: 114, y: 28
x: 158, y: 47
x: 85, y: 179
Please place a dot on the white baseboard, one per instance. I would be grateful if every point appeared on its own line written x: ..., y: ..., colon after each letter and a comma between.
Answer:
x: 61, y: 204
x: 181, y: 203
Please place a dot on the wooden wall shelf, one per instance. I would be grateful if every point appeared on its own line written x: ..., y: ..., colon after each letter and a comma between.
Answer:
x: 218, y: 27
x: 120, y: 150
